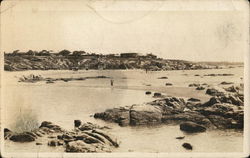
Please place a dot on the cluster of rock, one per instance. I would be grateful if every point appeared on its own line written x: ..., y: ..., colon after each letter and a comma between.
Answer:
x: 219, y: 75
x: 223, y: 111
x: 86, y: 137
x: 36, y: 78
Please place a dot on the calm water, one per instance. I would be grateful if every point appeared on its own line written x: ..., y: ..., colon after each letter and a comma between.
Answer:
x: 62, y: 102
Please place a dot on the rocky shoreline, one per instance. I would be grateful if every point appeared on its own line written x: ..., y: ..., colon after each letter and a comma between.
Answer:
x: 224, y: 110
x: 85, y: 137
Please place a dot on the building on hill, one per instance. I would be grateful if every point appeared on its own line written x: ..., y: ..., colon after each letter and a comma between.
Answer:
x: 152, y: 56
x: 129, y: 55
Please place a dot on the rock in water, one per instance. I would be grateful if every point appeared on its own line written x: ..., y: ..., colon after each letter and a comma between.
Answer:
x: 52, y: 143
x: 168, y: 84
x: 157, y: 95
x: 215, y: 92
x: 22, y: 137
x: 225, y: 83
x: 77, y: 123
x: 180, y: 137
x: 148, y: 92
x: 200, y: 88
x: 164, y: 77
x: 187, y: 146
x: 192, y: 127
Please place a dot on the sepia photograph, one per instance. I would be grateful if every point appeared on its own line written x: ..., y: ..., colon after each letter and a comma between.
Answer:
x: 119, y: 78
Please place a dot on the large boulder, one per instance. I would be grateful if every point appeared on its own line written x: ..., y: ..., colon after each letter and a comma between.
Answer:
x: 192, y: 127
x: 215, y: 91
x: 23, y: 137
x: 50, y: 126
x: 118, y: 115
x: 145, y: 114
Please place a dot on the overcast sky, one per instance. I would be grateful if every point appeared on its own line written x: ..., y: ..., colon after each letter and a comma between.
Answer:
x: 187, y: 30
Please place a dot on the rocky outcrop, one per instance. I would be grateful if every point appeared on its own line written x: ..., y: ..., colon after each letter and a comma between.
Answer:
x: 222, y: 111
x: 192, y: 127
x: 37, y: 78
x: 87, y: 137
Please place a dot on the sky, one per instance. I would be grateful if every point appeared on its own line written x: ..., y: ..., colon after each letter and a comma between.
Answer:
x: 188, y: 30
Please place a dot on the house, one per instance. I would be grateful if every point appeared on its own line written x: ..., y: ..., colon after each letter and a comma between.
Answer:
x: 129, y: 55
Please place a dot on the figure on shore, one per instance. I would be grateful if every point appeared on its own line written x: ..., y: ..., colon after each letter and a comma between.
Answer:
x: 111, y: 82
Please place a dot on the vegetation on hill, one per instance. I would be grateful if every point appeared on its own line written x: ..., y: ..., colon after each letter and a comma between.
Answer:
x: 66, y: 60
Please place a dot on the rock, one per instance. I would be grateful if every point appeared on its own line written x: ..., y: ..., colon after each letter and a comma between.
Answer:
x: 49, y: 82
x: 157, y: 95
x: 7, y: 133
x: 52, y: 143
x: 117, y: 115
x: 148, y: 92
x: 187, y: 116
x: 192, y: 127
x: 187, y: 146
x: 145, y: 114
x: 194, y: 100
x: 89, y: 126
x: 225, y: 83
x: 233, y: 89
x: 170, y: 105
x: 108, y: 136
x: 219, y: 121
x: 77, y: 123
x: 196, y: 75
x: 163, y: 77
x: 39, y: 134
x: 215, y: 92
x: 80, y: 146
x: 87, y: 138
x: 219, y: 75
x: 22, y: 137
x: 99, y: 137
x: 37, y: 143
x: 180, y: 137
x: 194, y: 85
x: 200, y: 88
x: 168, y: 84
x: 50, y: 127
x: 229, y: 99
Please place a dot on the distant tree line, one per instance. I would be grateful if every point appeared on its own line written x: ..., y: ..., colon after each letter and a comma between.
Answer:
x: 47, y: 53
